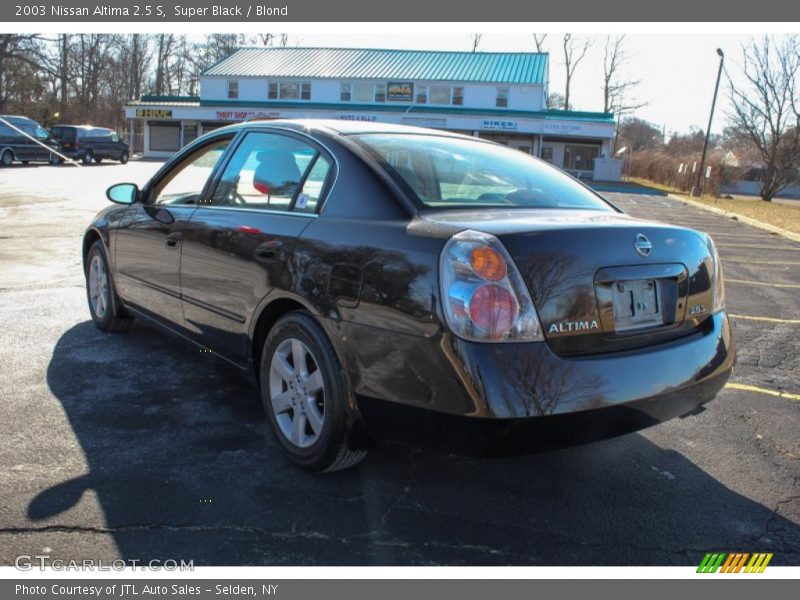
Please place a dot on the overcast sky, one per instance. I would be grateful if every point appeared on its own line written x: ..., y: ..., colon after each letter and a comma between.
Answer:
x: 677, y: 71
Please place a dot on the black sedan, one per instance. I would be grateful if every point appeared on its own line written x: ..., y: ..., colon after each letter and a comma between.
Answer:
x: 388, y: 282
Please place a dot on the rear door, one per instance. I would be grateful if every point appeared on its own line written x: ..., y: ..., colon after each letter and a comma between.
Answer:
x: 242, y: 244
x: 150, y: 235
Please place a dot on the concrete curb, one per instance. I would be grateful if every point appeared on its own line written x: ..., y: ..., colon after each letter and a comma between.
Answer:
x: 741, y: 218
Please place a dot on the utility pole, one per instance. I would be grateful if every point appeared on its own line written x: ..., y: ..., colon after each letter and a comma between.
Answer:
x: 696, y: 188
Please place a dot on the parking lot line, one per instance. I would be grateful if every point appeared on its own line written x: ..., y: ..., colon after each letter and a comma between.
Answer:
x: 743, y: 387
x: 765, y: 319
x: 749, y: 282
x: 759, y: 246
x: 744, y: 259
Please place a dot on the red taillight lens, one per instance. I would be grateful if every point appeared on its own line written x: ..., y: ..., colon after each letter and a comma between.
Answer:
x: 493, y: 309
x: 484, y: 298
x: 487, y: 263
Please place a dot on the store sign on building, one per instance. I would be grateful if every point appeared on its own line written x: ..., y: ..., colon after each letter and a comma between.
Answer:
x: 562, y: 128
x: 498, y: 125
x: 243, y: 115
x: 357, y: 117
x: 154, y: 113
x: 400, y: 91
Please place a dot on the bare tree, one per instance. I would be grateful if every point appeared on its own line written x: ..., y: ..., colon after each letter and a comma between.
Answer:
x: 538, y: 40
x: 617, y: 89
x: 476, y: 41
x: 573, y: 55
x: 16, y: 50
x: 555, y: 101
x: 766, y: 108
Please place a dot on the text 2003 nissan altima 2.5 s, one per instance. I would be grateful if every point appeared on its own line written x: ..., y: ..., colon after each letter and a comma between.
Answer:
x: 388, y: 282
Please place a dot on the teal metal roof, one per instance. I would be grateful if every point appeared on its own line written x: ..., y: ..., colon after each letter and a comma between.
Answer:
x: 366, y: 63
x: 194, y: 101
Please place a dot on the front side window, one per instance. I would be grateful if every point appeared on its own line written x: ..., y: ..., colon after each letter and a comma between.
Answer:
x: 445, y: 172
x: 233, y: 90
x: 502, y: 98
x: 266, y: 172
x: 185, y: 183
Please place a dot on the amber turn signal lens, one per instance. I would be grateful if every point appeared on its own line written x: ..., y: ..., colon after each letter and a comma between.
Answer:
x: 487, y: 263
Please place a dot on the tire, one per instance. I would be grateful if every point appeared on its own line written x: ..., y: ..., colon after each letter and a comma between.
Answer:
x: 7, y: 158
x: 55, y: 159
x: 87, y: 157
x: 123, y: 158
x: 104, y: 304
x: 321, y: 399
x: 98, y: 159
x: 25, y: 162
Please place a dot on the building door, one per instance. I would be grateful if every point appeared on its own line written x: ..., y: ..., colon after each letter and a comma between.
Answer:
x: 189, y: 132
x: 547, y: 153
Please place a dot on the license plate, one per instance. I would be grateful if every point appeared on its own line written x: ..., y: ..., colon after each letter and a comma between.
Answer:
x: 636, y: 304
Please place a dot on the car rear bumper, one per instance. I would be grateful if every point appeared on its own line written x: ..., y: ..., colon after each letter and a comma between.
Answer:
x: 523, y: 397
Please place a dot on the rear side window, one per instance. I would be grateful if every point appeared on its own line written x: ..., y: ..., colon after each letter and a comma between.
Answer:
x: 445, y: 172
x: 273, y: 172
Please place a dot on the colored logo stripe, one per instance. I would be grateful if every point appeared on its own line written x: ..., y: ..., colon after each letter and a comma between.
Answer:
x: 734, y: 562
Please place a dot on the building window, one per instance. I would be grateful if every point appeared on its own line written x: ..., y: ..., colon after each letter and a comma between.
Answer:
x: 439, y: 94
x: 233, y: 90
x: 363, y: 92
x: 422, y: 94
x: 380, y: 92
x: 458, y: 96
x: 346, y: 92
x: 289, y: 90
x: 502, y: 98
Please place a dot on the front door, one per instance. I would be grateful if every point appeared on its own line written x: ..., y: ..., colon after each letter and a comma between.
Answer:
x: 150, y: 236
x: 241, y: 244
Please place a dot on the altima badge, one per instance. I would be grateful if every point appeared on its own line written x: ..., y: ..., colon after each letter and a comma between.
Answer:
x: 642, y: 245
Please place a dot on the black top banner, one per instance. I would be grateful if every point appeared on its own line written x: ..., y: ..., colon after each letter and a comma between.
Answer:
x: 405, y: 11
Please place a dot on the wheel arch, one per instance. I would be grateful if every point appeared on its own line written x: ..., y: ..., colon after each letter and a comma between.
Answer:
x: 91, y: 236
x: 271, y: 309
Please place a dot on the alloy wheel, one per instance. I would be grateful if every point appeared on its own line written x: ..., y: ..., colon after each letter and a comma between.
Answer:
x: 297, y: 392
x: 98, y: 286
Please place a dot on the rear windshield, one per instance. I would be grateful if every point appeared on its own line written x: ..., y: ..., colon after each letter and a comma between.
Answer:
x: 66, y: 134
x: 448, y: 172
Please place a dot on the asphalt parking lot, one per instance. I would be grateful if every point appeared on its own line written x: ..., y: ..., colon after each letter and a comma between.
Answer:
x: 138, y: 446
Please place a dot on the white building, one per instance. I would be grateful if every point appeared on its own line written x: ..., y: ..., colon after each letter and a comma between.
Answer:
x: 494, y: 95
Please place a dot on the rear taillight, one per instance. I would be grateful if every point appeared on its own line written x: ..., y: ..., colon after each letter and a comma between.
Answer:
x: 483, y: 295
x: 718, y: 280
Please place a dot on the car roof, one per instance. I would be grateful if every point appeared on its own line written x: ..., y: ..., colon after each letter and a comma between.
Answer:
x: 343, y: 127
x: 82, y: 126
x: 18, y: 119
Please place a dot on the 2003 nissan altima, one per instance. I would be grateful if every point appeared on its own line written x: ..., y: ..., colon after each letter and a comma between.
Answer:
x: 402, y: 283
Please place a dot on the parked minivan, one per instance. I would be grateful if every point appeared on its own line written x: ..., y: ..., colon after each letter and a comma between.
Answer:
x: 89, y: 143
x: 14, y: 146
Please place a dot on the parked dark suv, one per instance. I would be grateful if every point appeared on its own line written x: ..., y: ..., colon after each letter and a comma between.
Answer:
x: 15, y: 145
x: 90, y: 143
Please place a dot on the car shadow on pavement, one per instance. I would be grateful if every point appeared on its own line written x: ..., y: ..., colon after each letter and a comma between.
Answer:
x: 177, y: 458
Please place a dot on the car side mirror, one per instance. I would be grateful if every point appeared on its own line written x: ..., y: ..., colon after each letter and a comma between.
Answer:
x: 123, y: 193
